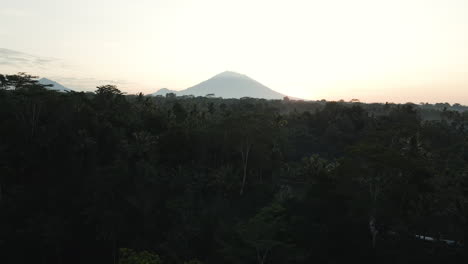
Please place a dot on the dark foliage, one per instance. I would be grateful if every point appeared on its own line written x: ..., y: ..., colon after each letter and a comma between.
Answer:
x: 89, y: 177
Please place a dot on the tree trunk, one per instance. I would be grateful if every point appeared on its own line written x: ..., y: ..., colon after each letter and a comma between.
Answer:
x: 261, y: 258
x: 374, y: 192
x: 114, y: 250
x: 373, y: 230
x: 35, y: 112
x: 245, y: 160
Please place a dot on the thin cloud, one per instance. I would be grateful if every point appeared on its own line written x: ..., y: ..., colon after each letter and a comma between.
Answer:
x: 90, y: 84
x: 18, y: 59
x: 69, y: 75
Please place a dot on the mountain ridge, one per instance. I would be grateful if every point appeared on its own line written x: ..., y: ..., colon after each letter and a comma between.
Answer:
x: 55, y: 85
x: 163, y: 92
x: 228, y: 84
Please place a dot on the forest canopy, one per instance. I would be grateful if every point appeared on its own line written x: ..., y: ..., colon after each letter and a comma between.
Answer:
x: 106, y: 177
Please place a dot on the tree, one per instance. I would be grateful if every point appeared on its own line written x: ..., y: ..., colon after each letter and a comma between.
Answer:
x: 129, y: 256
x: 20, y: 81
x: 108, y: 91
x: 265, y: 231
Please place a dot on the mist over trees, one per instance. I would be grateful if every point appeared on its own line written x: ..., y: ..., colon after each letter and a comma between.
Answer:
x: 106, y: 177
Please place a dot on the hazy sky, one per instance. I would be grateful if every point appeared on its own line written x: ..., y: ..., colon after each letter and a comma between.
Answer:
x: 396, y: 50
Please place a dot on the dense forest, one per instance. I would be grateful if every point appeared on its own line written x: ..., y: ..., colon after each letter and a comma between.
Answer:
x: 106, y: 177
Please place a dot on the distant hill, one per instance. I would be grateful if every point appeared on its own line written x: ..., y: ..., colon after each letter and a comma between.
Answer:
x: 163, y: 92
x: 229, y: 84
x: 55, y: 85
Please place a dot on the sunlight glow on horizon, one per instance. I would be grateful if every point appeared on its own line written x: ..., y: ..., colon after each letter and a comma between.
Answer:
x: 377, y: 51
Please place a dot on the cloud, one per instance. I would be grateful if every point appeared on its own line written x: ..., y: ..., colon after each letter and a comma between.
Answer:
x: 88, y: 83
x: 68, y: 74
x: 18, y: 59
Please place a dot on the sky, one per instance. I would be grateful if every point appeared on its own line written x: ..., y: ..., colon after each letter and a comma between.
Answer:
x: 372, y: 50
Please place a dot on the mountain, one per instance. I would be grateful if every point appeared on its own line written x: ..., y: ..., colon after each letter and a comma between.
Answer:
x: 55, y: 85
x: 163, y: 92
x: 228, y: 84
